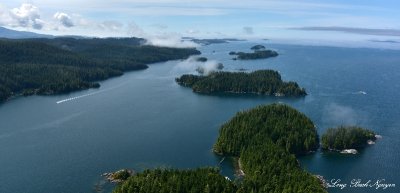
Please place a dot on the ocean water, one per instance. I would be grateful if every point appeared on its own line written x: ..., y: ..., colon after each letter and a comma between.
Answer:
x: 143, y: 119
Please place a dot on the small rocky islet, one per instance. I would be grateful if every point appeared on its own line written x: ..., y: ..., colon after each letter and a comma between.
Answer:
x: 347, y: 139
x: 118, y: 176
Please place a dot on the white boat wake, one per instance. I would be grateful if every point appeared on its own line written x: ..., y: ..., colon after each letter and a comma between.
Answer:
x: 361, y: 92
x: 77, y: 97
x: 89, y: 94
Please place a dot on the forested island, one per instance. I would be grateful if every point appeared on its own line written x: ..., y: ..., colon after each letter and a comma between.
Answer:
x: 260, y: 52
x: 258, y: 47
x: 341, y: 138
x: 256, y: 55
x: 201, y: 59
x: 265, y: 82
x: 266, y: 139
x: 61, y: 65
x: 212, y: 41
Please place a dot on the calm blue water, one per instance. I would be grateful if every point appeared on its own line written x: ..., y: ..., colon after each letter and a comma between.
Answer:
x: 145, y: 120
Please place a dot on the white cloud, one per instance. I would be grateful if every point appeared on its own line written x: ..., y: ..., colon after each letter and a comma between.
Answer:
x: 164, y: 39
x: 192, y: 65
x: 169, y: 40
x: 64, y: 19
x: 27, y: 15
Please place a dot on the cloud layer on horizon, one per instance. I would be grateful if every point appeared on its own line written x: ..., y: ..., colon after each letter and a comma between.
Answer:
x: 364, y: 31
x: 158, y: 19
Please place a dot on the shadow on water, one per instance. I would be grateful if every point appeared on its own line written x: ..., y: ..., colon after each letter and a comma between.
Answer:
x: 249, y: 96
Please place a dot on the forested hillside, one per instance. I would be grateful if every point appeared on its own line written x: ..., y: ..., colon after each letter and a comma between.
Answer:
x: 52, y: 66
x: 283, y: 125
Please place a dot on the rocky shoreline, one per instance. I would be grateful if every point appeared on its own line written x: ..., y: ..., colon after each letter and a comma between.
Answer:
x: 355, y: 151
x: 239, y: 170
x: 349, y: 151
x: 118, y: 176
x: 322, y: 180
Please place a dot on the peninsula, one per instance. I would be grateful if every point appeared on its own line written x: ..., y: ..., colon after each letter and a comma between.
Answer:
x: 62, y: 65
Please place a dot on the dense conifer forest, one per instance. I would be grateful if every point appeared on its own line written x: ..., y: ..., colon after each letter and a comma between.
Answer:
x: 283, y: 125
x: 258, y: 54
x: 346, y: 138
x: 60, y: 65
x: 177, y: 181
x: 265, y: 82
x: 266, y: 139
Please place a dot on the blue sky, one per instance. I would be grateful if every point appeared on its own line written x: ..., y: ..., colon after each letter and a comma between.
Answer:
x: 286, y: 19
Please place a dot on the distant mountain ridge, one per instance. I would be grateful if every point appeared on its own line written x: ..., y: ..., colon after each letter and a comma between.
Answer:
x: 14, y: 34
